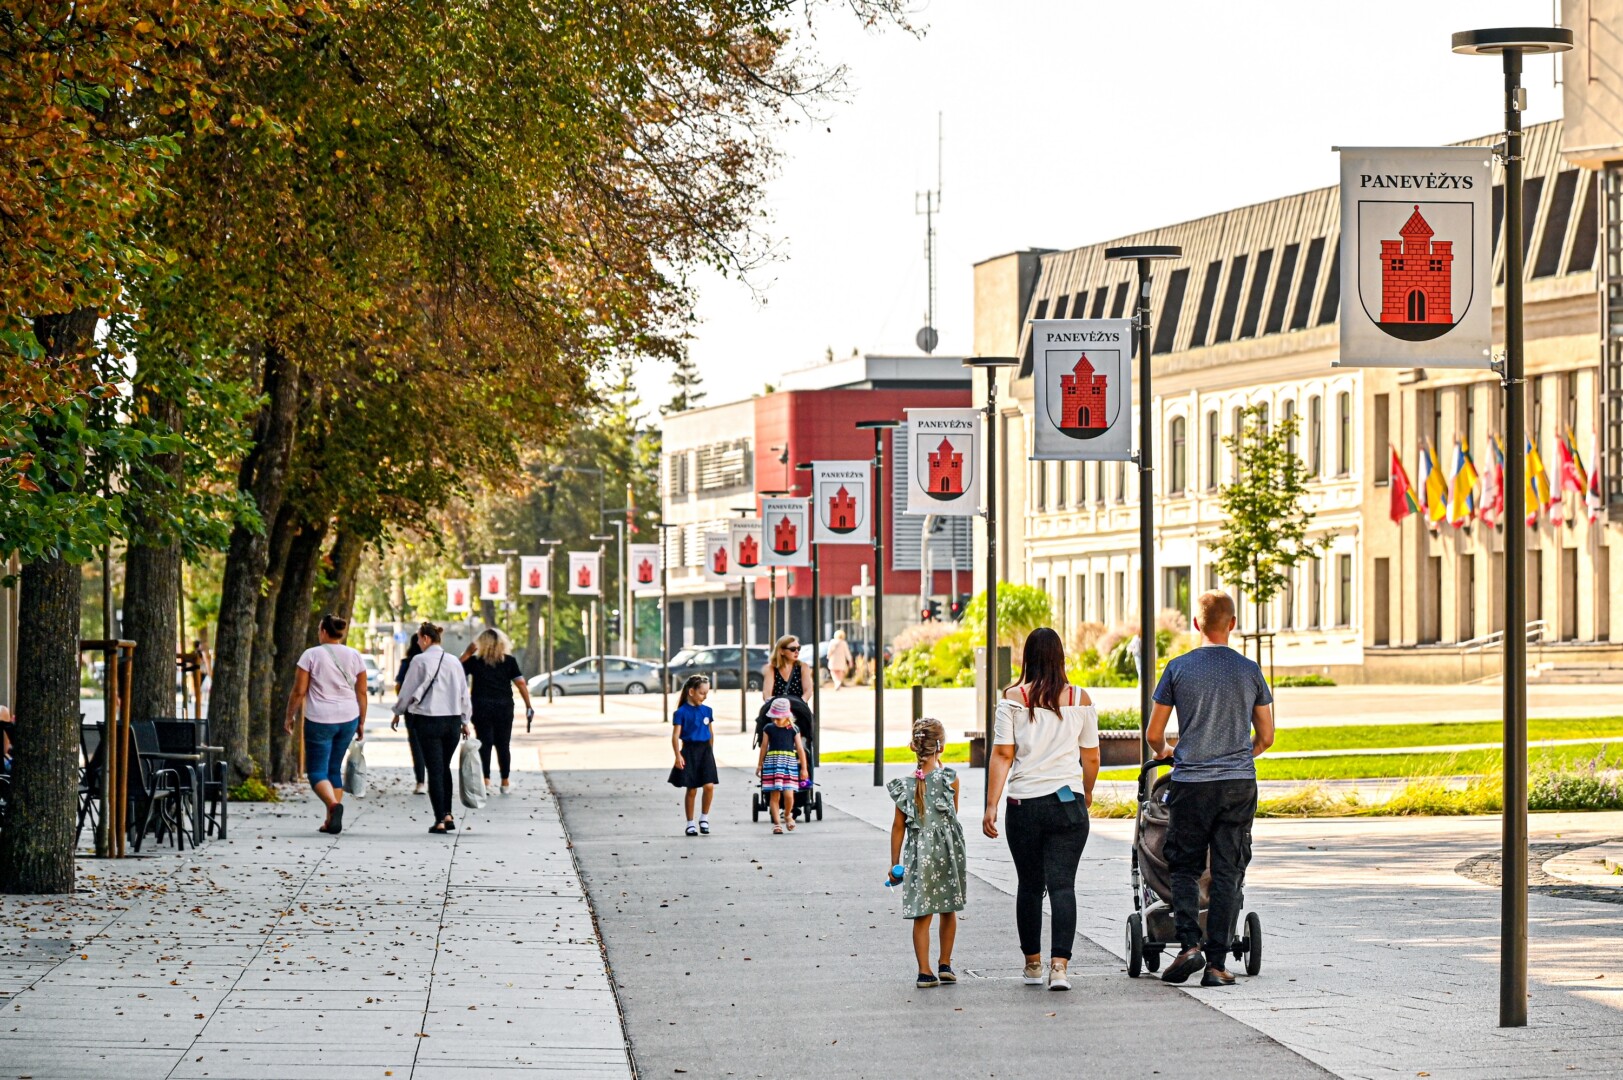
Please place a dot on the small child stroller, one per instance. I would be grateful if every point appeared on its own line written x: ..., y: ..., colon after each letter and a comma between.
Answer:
x: 1150, y: 928
x: 808, y: 799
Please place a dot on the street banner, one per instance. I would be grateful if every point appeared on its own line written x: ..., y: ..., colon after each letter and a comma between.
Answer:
x: 534, y: 575
x: 785, y: 523
x: 1083, y: 389
x: 643, y: 559
x: 944, y: 455
x: 843, y: 499
x: 1416, y: 256
x: 585, y: 573
x: 718, y: 564
x: 493, y: 581
x: 459, y: 595
x: 744, y: 546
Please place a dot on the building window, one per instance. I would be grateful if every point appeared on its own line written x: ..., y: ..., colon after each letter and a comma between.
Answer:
x: 1302, y: 310
x: 1099, y: 494
x: 1290, y: 414
x: 1171, y: 309
x: 1040, y: 481
x: 1203, y: 313
x: 1178, y: 465
x: 1332, y: 289
x: 1315, y: 593
x: 1435, y: 266
x: 1213, y: 441
x: 1344, y: 434
x: 1397, y: 264
x: 1175, y: 582
x: 1282, y: 289
x: 1382, y: 439
x: 1231, y: 299
x: 1253, y: 302
x: 1288, y: 600
x: 1344, y: 590
x: 1121, y: 482
x: 1081, y: 484
x: 1587, y: 232
x: 1238, y: 430
x: 1315, y: 435
x: 1118, y: 303
x: 1099, y: 591
x: 725, y: 465
x: 1060, y: 594
x: 1062, y: 473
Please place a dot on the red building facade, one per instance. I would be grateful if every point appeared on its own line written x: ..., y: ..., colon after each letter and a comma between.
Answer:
x: 1417, y: 275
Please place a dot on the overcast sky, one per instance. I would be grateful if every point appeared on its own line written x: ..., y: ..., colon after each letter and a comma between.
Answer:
x: 1068, y: 123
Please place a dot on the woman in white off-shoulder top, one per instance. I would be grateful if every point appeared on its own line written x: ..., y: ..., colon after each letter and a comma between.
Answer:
x: 1045, y: 757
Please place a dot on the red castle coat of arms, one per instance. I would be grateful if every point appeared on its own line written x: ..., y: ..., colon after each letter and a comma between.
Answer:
x: 783, y: 537
x: 494, y: 584
x: 1082, y: 398
x: 946, y: 476
x: 719, y: 563
x: 535, y: 577
x: 645, y: 572
x: 842, y: 511
x: 749, y: 551
x: 458, y: 598
x: 1417, y: 276
x: 583, y: 578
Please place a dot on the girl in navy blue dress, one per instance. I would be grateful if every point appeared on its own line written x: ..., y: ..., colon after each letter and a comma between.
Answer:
x: 694, y: 747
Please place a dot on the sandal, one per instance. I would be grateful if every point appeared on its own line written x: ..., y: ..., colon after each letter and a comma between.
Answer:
x: 777, y: 830
x: 790, y: 826
x: 438, y: 828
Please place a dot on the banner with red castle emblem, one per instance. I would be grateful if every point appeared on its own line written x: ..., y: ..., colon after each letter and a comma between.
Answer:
x: 534, y: 575
x: 1082, y: 389
x: 744, y: 547
x: 842, y: 498
x: 459, y: 595
x: 944, y: 455
x: 1416, y: 257
x: 493, y: 581
x: 642, y: 561
x: 585, y: 573
x: 718, y: 564
x: 784, y: 523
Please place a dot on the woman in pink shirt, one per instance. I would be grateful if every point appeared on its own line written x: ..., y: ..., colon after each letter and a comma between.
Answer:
x: 330, y: 687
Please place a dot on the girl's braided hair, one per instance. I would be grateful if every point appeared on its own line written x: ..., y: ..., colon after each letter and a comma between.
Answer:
x: 929, y: 739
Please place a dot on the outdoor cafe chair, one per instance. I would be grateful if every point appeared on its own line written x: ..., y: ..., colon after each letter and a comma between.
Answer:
x: 156, y: 792
x: 202, y: 771
x: 90, y: 746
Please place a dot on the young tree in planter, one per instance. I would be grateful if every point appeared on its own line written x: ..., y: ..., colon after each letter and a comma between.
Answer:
x: 1265, y: 521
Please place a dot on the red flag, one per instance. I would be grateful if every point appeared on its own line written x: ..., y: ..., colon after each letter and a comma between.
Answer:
x: 1592, y: 497
x: 1403, y: 500
x: 1572, y: 478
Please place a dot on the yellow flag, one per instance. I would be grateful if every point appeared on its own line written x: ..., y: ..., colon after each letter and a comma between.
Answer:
x: 1436, y: 488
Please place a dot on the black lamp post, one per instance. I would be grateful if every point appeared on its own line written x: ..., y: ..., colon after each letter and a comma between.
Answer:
x: 817, y: 626
x: 744, y: 599
x: 597, y: 617
x: 878, y: 427
x: 1144, y: 255
x: 989, y: 693
x: 1512, y: 44
x: 552, y: 590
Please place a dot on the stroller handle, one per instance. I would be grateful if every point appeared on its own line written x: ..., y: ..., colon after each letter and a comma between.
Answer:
x: 1144, y: 773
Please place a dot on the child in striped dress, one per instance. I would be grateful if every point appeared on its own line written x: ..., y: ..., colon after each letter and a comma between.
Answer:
x: 782, y: 764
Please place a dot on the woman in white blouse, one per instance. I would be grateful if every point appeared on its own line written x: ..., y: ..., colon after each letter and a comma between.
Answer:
x: 1045, y: 757
x: 435, y: 693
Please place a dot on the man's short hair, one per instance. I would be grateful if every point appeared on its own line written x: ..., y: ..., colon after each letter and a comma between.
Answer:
x: 1214, y: 609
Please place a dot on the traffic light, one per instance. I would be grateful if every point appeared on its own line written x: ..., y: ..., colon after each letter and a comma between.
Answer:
x: 932, y: 613
x: 614, y: 623
x: 959, y: 603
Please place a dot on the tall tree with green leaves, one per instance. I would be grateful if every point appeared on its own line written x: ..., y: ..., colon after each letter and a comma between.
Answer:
x: 688, y: 386
x: 1266, y: 520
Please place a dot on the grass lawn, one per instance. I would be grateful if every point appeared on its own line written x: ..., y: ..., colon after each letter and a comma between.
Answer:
x: 1378, y: 766
x: 1355, y: 737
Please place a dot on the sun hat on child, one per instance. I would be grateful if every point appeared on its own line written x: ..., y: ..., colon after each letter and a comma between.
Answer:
x: 779, y: 708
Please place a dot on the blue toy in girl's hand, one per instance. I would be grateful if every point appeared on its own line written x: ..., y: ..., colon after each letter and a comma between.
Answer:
x: 897, y: 872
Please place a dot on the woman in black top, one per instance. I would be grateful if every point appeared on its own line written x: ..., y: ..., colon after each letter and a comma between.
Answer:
x: 494, y: 673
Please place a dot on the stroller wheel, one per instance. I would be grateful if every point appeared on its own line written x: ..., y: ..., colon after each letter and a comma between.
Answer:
x: 755, y: 807
x: 819, y: 806
x: 1135, y: 945
x: 1253, y: 944
x: 1152, y: 958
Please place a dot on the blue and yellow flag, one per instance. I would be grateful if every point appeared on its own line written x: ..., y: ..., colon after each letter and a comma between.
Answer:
x: 1436, y: 487
x: 1462, y: 499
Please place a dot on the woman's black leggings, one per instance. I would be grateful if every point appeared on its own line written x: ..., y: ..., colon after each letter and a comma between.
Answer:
x: 1047, y: 846
x: 438, y: 736
x: 416, y: 751
x: 493, y: 724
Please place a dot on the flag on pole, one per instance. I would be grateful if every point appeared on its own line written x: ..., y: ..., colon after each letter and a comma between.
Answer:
x: 1493, y: 485
x: 1436, y: 487
x: 1538, y: 484
x: 1425, y: 479
x: 1462, y: 499
x: 1592, y: 492
x: 1403, y: 501
x: 1573, y: 477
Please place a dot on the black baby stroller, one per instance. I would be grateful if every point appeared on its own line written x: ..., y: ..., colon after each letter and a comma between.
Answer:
x: 1150, y: 927
x: 808, y: 799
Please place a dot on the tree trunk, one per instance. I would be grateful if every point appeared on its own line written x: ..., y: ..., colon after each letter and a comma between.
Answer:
x: 36, y: 847
x: 152, y: 576
x: 262, y: 714
x: 288, y: 640
x: 345, y: 559
x: 264, y: 478
x: 532, y: 642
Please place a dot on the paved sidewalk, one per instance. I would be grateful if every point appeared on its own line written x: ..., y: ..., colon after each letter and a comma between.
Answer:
x: 1380, y: 950
x: 283, y: 954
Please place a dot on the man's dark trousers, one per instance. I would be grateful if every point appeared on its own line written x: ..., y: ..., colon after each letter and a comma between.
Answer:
x: 1212, y: 816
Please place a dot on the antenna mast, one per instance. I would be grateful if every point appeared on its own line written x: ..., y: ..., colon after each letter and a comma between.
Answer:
x: 927, y: 338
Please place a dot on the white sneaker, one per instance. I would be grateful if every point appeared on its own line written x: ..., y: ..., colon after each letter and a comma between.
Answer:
x: 1033, y: 974
x: 506, y: 789
x: 1058, y: 976
x: 420, y: 789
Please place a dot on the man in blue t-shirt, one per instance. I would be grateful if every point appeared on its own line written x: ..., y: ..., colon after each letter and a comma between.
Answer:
x: 1225, y: 721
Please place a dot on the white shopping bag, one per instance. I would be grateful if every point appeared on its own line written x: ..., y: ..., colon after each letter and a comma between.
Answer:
x: 471, y: 775
x: 355, y: 769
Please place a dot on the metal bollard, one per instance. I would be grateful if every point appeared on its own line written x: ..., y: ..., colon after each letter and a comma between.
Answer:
x: 918, y: 703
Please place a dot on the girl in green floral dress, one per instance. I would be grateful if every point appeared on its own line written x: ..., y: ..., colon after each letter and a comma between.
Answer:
x: 928, y: 842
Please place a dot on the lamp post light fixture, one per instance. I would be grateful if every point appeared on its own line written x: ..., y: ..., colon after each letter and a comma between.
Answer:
x: 597, y: 617
x: 878, y: 427
x: 991, y: 690
x: 1511, y: 44
x: 552, y: 589
x: 817, y: 627
x: 744, y: 599
x: 1144, y: 255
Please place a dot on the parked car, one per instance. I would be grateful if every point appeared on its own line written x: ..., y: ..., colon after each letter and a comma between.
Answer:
x: 718, y: 663
x: 374, y: 676
x: 621, y: 675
